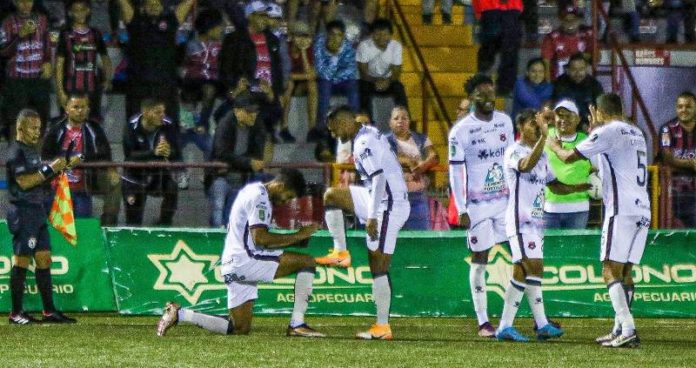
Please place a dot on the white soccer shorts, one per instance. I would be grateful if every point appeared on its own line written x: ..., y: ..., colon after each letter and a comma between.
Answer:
x: 242, y: 281
x: 526, y: 246
x: 486, y: 233
x: 388, y: 223
x: 623, y: 238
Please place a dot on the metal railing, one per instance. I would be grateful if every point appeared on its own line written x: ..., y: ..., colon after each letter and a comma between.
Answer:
x: 427, y: 82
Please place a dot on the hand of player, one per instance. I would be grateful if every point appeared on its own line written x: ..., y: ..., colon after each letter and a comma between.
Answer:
x: 583, y: 187
x: 542, y: 124
x: 464, y: 220
x: 163, y: 149
x: 27, y: 28
x: 592, y: 118
x: 46, y: 71
x: 257, y: 165
x: 371, y: 228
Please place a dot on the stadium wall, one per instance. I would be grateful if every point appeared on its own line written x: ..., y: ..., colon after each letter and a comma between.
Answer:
x: 136, y: 270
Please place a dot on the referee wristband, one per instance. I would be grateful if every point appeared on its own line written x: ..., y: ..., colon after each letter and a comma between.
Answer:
x: 47, y: 171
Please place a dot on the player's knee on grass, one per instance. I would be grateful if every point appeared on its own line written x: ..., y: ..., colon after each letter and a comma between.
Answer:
x: 240, y: 317
x: 43, y: 259
x: 22, y: 261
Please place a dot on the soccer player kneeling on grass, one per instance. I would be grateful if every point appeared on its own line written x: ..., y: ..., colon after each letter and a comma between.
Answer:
x: 252, y: 254
x: 527, y: 172
x: 623, y: 155
x: 382, y: 205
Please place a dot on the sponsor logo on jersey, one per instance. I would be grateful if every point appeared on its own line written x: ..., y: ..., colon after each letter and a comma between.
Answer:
x: 485, y: 154
x: 494, y: 179
x: 503, y: 137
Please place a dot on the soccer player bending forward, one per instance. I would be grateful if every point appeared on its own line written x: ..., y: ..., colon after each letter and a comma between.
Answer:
x: 623, y: 155
x: 382, y: 205
x: 251, y: 255
x: 527, y: 172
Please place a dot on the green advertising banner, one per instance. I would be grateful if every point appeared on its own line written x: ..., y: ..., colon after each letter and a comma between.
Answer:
x: 429, y: 275
x: 81, y: 279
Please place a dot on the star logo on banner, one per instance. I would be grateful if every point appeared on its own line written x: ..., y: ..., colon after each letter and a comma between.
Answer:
x: 499, y: 270
x: 186, y: 272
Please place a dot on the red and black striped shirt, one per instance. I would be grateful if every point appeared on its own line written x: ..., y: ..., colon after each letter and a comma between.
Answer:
x: 25, y: 55
x: 81, y: 49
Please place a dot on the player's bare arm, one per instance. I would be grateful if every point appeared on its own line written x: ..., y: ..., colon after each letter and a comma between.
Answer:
x: 561, y: 188
x: 528, y: 163
x: 264, y: 238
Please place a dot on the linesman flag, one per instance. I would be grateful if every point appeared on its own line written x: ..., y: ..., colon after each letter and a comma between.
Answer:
x: 61, y: 216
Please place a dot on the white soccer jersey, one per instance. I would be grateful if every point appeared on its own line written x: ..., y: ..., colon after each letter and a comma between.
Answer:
x: 476, y: 150
x: 373, y: 155
x: 525, y: 209
x: 252, y: 208
x: 623, y: 167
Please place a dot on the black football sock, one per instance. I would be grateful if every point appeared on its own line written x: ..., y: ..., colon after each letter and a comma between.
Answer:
x: 45, y: 285
x: 17, y: 277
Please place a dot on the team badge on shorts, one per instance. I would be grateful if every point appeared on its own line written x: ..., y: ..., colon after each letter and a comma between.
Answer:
x: 474, y: 240
x: 31, y: 243
x: 531, y: 245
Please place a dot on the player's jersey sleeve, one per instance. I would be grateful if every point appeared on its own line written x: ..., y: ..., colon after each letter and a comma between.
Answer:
x: 599, y: 141
x: 260, y: 211
x: 456, y: 146
x: 369, y: 152
x: 16, y: 163
x: 513, y: 156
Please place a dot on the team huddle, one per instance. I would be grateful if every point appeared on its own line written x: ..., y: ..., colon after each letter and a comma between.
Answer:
x: 498, y: 187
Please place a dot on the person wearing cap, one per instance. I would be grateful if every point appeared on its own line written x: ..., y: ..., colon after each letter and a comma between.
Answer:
x: 577, y: 85
x: 303, y: 78
x: 250, y: 61
x: 151, y: 52
x: 239, y: 141
x: 567, y: 211
x: 570, y: 38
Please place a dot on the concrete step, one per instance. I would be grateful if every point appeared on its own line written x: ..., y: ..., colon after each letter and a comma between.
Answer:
x: 448, y: 84
x: 443, y: 59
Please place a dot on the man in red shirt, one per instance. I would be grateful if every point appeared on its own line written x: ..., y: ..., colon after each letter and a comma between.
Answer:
x: 25, y: 45
x: 500, y: 33
x: 678, y: 151
x: 572, y: 37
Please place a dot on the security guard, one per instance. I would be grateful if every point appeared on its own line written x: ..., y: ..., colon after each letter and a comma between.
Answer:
x: 28, y: 183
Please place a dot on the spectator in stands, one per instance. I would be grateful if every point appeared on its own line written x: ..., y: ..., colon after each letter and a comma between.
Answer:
x: 278, y: 26
x: 379, y: 60
x: 417, y: 155
x: 532, y: 89
x: 500, y: 34
x: 201, y: 68
x: 240, y: 141
x: 77, y: 70
x: 337, y: 72
x: 445, y: 10
x: 678, y: 151
x: 89, y: 141
x: 152, y: 70
x: 25, y: 46
x: 250, y: 62
x: 150, y: 136
x: 578, y: 86
x: 303, y: 78
x: 567, y: 211
x: 678, y: 10
x: 570, y: 38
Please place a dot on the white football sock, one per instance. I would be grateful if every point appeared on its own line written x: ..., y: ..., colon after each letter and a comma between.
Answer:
x: 381, y: 291
x: 335, y: 223
x: 536, y: 301
x: 214, y: 324
x: 618, y: 301
x: 303, y: 289
x: 477, y: 283
x: 513, y: 296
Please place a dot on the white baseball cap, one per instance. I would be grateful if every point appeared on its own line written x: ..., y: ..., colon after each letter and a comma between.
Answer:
x: 256, y: 6
x: 568, y: 105
x: 275, y: 10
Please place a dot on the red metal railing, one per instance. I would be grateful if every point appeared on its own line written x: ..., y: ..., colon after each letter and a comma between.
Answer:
x: 427, y: 83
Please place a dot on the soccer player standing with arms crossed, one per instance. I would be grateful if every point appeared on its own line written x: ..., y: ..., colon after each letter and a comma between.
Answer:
x: 624, y: 170
x: 477, y: 144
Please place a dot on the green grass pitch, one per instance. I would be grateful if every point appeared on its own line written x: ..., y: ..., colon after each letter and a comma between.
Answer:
x: 115, y: 341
